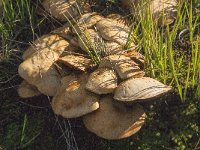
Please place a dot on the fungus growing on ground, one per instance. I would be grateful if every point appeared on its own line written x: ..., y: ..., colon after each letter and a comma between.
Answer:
x: 63, y: 64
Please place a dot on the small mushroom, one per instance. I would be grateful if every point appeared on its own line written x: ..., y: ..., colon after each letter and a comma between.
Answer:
x: 140, y: 89
x: 77, y: 62
x: 39, y: 71
x: 72, y: 100
x: 124, y: 66
x: 112, y: 123
x: 26, y: 90
x: 112, y: 30
x: 102, y: 81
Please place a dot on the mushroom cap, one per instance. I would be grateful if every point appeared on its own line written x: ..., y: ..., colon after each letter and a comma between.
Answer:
x: 102, y: 81
x: 140, y: 89
x: 112, y: 123
x: 86, y: 21
x: 77, y: 62
x: 45, y: 41
x: 112, y: 30
x: 72, y: 100
x: 124, y: 66
x: 39, y: 71
x: 26, y: 90
x: 61, y: 9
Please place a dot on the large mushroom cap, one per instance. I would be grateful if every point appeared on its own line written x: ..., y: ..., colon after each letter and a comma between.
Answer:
x: 25, y: 90
x: 102, y: 81
x: 72, y: 100
x: 38, y: 69
x: 112, y: 123
x: 140, y: 89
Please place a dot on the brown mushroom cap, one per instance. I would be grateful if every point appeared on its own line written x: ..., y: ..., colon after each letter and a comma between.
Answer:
x: 39, y: 71
x: 26, y: 90
x: 112, y: 30
x: 113, y: 123
x: 77, y: 62
x: 102, y: 81
x: 72, y: 100
x: 124, y: 66
x: 140, y: 89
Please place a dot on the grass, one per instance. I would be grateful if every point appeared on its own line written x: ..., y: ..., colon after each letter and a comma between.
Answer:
x: 172, y: 56
x: 165, y: 59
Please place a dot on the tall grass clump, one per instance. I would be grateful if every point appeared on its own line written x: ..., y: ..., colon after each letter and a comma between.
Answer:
x: 172, y: 52
x: 16, y: 16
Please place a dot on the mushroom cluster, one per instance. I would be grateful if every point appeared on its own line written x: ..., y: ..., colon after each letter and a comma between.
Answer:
x: 88, y: 74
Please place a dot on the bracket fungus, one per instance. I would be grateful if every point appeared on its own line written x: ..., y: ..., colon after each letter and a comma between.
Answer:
x: 61, y: 64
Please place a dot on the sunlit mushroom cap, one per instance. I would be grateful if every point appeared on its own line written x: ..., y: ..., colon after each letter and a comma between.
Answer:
x: 102, y: 81
x: 140, y: 89
x: 26, y: 90
x: 73, y: 100
x: 112, y: 122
